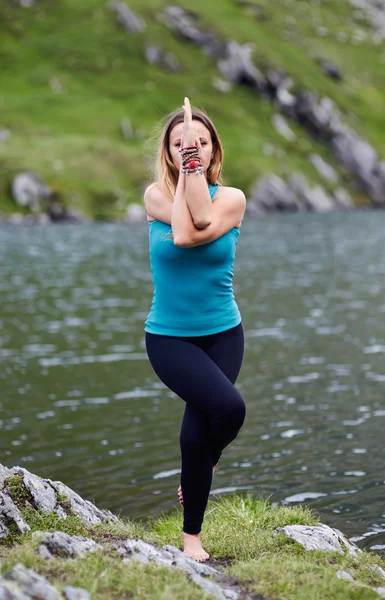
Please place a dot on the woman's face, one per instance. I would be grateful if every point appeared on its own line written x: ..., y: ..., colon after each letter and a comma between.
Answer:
x: 206, y: 153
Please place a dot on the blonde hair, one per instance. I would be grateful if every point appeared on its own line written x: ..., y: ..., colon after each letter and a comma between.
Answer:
x: 165, y: 174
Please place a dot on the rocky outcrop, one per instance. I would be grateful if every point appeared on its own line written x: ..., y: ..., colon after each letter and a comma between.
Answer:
x: 320, y: 117
x: 45, y: 495
x: 25, y: 584
x: 272, y: 194
x: 61, y: 544
x: 223, y: 587
x: 29, y: 190
x: 321, y: 537
x: 155, y: 55
x: 129, y: 20
x: 374, y: 11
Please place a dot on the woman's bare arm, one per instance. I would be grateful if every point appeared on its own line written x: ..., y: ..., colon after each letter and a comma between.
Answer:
x: 158, y: 206
x: 196, y: 191
x: 228, y: 210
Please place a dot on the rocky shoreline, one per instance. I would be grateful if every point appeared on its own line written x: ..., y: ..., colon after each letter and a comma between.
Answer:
x: 23, y: 494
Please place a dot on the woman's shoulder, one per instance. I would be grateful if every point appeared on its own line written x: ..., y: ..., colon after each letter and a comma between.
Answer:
x: 227, y: 188
x: 156, y: 202
x: 230, y: 192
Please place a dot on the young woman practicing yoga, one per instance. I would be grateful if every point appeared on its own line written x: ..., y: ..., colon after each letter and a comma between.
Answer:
x: 194, y: 334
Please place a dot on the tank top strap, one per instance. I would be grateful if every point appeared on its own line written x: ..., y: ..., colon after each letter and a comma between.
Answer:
x: 213, y: 189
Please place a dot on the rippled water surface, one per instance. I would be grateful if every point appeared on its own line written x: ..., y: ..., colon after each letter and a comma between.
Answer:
x: 80, y: 402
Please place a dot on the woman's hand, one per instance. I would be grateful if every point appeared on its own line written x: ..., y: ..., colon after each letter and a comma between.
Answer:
x: 189, y: 133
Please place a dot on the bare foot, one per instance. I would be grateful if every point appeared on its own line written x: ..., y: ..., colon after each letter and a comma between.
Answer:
x: 180, y: 496
x: 193, y: 547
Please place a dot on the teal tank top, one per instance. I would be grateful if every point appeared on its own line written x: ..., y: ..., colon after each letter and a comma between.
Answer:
x: 193, y: 293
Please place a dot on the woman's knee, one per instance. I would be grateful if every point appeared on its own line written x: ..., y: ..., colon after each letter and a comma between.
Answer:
x: 236, y: 412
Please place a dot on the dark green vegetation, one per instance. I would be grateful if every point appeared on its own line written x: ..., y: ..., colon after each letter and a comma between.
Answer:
x: 70, y: 74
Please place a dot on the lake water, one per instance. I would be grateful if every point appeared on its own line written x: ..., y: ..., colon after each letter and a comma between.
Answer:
x: 80, y: 402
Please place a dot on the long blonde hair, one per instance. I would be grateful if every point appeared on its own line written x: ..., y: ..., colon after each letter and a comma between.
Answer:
x: 164, y: 173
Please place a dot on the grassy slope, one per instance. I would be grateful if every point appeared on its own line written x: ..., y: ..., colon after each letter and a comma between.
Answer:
x: 73, y: 138
x: 238, y: 531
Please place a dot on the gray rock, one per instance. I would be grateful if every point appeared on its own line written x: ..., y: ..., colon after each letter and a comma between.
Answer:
x: 331, y: 69
x: 84, y: 509
x: 283, y: 128
x: 344, y: 575
x: 40, y: 488
x: 75, y: 593
x: 63, y: 544
x: 10, y: 591
x: 380, y: 590
x: 324, y: 169
x: 37, y: 586
x: 377, y: 569
x: 272, y: 194
x: 314, y: 199
x: 29, y: 190
x: 360, y: 159
x: 184, y: 23
x: 155, y: 55
x: 129, y: 20
x: 374, y: 10
x: 320, y: 537
x: 316, y: 116
x: 9, y: 511
x: 342, y: 199
x: 173, y: 557
x: 238, y: 67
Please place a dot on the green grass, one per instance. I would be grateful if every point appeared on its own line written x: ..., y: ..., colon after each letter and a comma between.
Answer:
x: 238, y: 532
x: 72, y: 138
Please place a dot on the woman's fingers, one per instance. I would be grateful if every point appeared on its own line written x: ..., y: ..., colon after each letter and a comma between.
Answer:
x: 187, y: 109
x: 188, y: 129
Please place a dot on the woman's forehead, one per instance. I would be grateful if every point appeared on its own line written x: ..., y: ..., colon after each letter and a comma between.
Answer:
x: 200, y: 128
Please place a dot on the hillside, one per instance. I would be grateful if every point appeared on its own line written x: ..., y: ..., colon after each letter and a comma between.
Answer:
x: 73, y: 80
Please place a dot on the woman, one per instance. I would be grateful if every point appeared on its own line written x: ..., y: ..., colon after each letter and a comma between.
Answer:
x: 194, y: 335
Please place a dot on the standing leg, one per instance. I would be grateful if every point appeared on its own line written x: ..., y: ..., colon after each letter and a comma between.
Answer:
x: 196, y: 476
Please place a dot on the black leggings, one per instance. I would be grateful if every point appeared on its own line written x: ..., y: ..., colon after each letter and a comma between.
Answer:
x: 202, y: 371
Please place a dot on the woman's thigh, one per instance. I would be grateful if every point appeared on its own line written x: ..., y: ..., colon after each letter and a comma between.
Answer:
x: 192, y: 374
x: 226, y: 350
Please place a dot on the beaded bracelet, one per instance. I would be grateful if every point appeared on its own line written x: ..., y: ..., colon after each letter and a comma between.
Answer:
x: 193, y: 167
x: 191, y: 162
x: 191, y: 157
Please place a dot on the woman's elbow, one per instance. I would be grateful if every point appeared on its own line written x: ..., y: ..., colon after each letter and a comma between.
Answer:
x: 202, y: 224
x: 181, y: 242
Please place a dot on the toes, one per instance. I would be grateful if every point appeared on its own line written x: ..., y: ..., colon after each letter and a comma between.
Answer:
x: 198, y: 557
